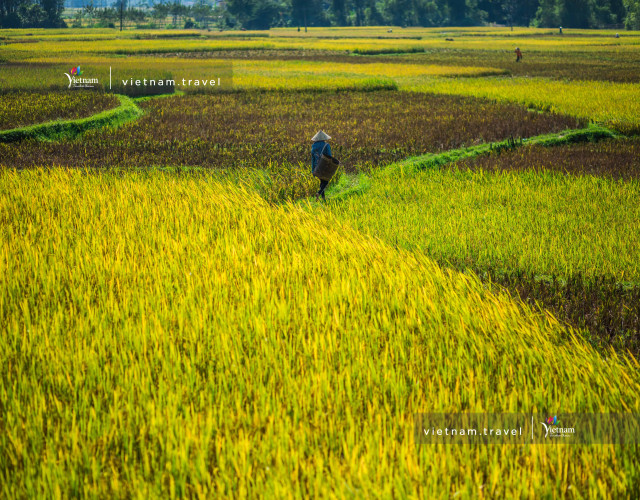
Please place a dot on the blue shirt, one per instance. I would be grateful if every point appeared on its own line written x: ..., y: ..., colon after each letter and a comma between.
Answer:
x: 316, y: 151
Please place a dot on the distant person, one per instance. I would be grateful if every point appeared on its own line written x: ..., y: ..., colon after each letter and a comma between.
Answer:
x: 518, y: 54
x: 617, y: 35
x: 320, y: 147
x: 560, y: 30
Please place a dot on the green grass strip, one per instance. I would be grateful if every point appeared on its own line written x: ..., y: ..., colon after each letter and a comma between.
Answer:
x: 64, y: 129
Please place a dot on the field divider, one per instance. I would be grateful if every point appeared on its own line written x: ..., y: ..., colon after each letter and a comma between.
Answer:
x: 359, y: 185
x: 64, y: 129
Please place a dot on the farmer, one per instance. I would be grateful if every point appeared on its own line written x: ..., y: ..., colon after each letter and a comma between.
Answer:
x: 320, y: 146
x: 518, y: 54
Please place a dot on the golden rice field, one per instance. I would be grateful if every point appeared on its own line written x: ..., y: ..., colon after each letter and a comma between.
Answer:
x: 443, y: 32
x: 315, y: 32
x: 410, y: 40
x: 544, y: 222
x: 179, y: 318
x: 167, y: 335
x: 45, y: 73
x: 614, y: 104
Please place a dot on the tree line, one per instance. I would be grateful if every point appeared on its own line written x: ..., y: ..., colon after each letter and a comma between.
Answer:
x: 264, y: 14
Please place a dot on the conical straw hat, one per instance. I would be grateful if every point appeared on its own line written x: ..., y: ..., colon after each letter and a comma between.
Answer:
x: 320, y: 136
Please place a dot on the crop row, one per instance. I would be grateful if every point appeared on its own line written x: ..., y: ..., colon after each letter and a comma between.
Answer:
x: 607, y: 64
x: 614, y: 104
x: 253, y: 129
x: 372, y: 32
x: 544, y: 222
x: 607, y: 308
x: 485, y: 32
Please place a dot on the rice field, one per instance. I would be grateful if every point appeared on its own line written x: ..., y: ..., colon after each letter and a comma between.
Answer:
x: 180, y: 318
x: 47, y: 73
x: 253, y: 129
x: 24, y: 108
x: 616, y: 105
x: 166, y: 387
x: 358, y: 45
x: 569, y: 242
x: 539, y: 221
x: 616, y: 159
x: 603, y: 85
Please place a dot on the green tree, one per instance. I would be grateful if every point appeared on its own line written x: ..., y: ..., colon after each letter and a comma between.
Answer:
x: 177, y: 10
x: 89, y: 11
x: 413, y: 13
x: 202, y: 12
x: 399, y: 12
x: 457, y: 12
x: 242, y: 10
x: 159, y: 12
x: 618, y: 10
x: 520, y: 12
x: 265, y: 15
x: 53, y: 13
x: 465, y: 13
x: 372, y: 14
x: 358, y: 7
x: 547, y: 15
x: 632, y: 19
x: 9, y: 13
x: 108, y: 17
x: 306, y: 13
x: 576, y: 13
x: 31, y: 14
x: 495, y: 9
x: 339, y: 11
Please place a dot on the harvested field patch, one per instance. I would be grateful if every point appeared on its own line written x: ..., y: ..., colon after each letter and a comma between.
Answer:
x: 253, y: 129
x: 28, y: 108
x: 619, y: 159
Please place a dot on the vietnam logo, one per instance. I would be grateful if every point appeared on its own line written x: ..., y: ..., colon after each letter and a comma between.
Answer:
x: 552, y: 428
x: 76, y: 81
